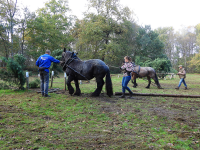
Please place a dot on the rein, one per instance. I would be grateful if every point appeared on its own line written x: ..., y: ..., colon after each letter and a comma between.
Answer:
x: 68, y: 60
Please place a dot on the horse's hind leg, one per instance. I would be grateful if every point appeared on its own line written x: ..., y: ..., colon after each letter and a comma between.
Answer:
x: 155, y: 78
x: 100, y: 83
x: 149, y: 80
x: 70, y: 88
x: 78, y: 91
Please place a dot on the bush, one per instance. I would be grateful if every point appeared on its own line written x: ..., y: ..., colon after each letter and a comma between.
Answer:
x: 34, y: 84
x: 3, y: 86
x: 57, y: 54
x: 161, y: 65
x: 13, y: 73
x: 20, y: 59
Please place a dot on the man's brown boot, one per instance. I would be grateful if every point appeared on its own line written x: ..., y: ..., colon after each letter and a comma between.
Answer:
x: 185, y: 88
x: 177, y: 88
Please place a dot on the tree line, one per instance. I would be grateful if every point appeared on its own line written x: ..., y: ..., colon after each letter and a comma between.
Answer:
x: 107, y: 31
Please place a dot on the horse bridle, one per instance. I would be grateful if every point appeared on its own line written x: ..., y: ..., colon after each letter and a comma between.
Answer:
x: 67, y: 63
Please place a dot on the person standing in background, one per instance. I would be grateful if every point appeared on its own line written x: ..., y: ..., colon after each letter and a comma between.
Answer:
x: 182, y: 76
x: 44, y: 63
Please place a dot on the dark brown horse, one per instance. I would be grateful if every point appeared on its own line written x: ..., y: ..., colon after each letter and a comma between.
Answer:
x: 148, y: 72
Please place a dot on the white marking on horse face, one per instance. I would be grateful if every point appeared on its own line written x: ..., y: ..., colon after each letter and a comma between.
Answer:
x: 63, y: 56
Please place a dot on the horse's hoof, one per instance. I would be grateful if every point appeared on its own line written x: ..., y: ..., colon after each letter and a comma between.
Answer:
x: 77, y: 94
x: 71, y: 92
x: 94, y: 95
x: 147, y: 87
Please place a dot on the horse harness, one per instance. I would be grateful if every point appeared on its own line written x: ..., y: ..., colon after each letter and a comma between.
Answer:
x: 70, y: 59
x: 136, y: 71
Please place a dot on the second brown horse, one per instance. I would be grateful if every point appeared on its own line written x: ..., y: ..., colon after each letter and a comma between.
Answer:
x: 148, y: 72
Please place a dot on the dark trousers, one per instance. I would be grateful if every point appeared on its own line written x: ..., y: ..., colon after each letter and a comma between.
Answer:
x: 44, y: 82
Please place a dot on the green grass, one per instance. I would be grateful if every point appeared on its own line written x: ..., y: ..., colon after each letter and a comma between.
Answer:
x: 30, y: 121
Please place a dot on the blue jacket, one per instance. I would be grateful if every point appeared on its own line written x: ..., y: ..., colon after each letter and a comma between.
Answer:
x: 45, y: 61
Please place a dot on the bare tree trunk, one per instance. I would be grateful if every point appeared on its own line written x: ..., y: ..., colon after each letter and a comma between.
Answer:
x: 22, y: 44
x: 11, y: 15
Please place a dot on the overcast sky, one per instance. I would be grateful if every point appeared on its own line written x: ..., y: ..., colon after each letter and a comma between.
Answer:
x: 157, y: 13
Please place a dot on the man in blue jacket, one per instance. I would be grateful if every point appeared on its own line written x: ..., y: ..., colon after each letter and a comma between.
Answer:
x: 44, y: 63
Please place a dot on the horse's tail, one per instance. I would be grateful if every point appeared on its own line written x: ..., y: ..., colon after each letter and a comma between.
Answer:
x: 109, y: 88
x: 156, y: 80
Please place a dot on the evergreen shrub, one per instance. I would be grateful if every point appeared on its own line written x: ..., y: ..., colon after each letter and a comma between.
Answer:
x: 34, y: 84
x: 13, y: 73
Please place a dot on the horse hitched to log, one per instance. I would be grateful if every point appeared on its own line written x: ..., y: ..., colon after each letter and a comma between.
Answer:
x: 76, y: 69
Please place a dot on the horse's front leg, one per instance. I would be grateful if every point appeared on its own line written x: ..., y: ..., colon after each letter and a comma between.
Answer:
x: 100, y: 83
x: 70, y: 88
x: 149, y: 80
x: 78, y: 91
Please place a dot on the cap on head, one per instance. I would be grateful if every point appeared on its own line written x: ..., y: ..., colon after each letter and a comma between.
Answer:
x: 180, y: 66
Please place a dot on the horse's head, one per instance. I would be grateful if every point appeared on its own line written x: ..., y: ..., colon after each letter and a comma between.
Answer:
x: 66, y: 55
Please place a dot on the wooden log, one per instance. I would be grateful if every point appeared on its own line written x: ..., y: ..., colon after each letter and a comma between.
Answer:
x: 162, y: 95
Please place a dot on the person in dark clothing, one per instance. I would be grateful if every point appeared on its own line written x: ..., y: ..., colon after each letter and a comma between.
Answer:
x: 44, y: 63
x: 128, y: 67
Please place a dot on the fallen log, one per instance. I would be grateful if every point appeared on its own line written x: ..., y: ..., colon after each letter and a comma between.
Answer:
x: 162, y: 95
x: 51, y: 90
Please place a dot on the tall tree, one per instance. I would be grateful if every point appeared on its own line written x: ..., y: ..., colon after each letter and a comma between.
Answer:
x: 25, y: 16
x: 149, y: 46
x: 50, y: 28
x: 98, y: 33
x: 186, y: 44
x: 4, y: 42
x: 197, y: 30
x: 167, y: 36
x: 7, y: 15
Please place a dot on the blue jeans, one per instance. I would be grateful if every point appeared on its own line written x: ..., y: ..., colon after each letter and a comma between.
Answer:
x: 180, y: 82
x: 44, y: 82
x: 125, y: 81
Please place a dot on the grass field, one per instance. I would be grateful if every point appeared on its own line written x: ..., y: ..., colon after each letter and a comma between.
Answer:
x: 29, y: 121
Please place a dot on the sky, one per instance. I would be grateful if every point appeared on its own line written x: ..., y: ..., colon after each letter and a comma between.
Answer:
x: 157, y: 13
